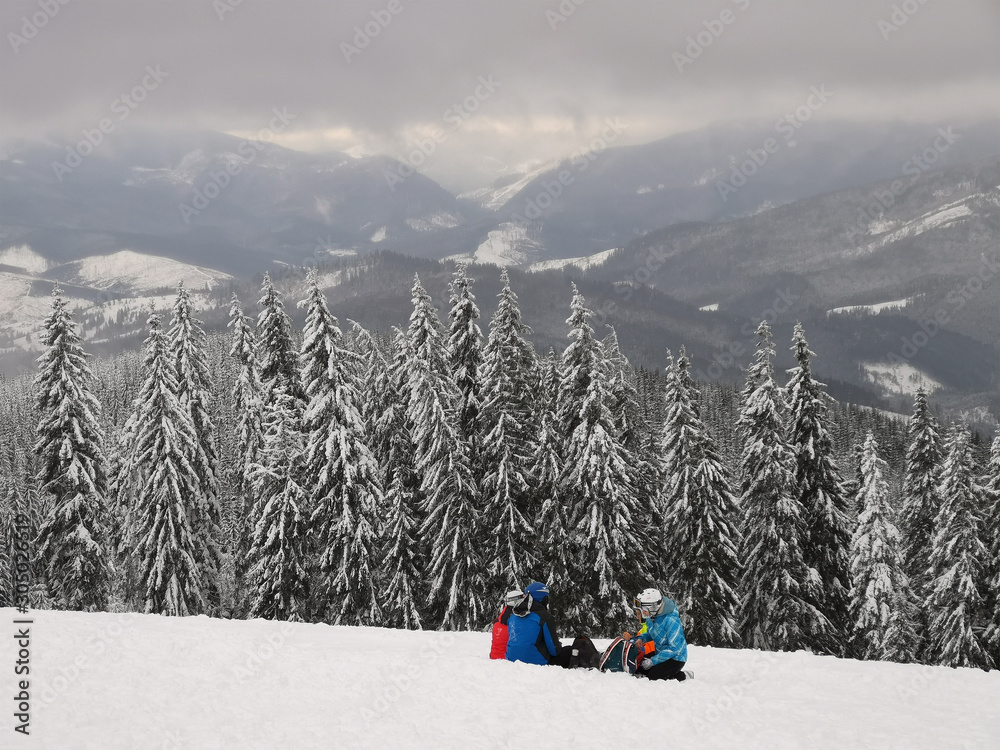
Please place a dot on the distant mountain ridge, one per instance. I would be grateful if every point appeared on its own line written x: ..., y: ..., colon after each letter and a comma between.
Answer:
x: 239, y: 206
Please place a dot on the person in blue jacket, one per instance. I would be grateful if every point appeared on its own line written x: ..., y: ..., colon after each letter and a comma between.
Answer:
x: 664, y: 636
x: 531, y: 637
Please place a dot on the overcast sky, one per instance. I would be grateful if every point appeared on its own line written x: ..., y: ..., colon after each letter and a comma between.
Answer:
x: 556, y: 70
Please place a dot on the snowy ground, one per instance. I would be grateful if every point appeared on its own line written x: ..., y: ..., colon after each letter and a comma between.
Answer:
x: 137, y: 681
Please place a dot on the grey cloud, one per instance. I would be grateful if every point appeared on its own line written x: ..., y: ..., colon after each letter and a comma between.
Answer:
x: 602, y: 59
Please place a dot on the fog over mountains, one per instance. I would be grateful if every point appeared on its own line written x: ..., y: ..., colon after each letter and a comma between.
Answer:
x: 862, y: 231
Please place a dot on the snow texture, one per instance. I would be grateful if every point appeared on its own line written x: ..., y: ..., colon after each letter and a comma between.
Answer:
x: 896, y: 304
x: 900, y: 377
x: 118, y: 682
x: 24, y: 258
x: 583, y: 263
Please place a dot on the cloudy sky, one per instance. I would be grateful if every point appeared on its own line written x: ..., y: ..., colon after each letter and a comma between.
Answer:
x: 496, y: 85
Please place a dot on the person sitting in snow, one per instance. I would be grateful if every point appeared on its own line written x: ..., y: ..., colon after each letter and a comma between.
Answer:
x: 661, y: 639
x: 510, y: 600
x: 531, y: 637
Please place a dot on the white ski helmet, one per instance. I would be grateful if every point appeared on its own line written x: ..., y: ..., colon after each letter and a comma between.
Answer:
x: 649, y: 603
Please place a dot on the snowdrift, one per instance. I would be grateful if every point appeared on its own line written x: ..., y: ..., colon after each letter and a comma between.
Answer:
x: 141, y: 681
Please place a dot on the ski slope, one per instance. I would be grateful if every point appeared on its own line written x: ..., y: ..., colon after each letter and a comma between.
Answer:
x: 142, y: 681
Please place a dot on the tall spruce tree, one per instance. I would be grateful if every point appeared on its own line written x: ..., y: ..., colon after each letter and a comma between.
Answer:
x: 276, y: 576
x: 194, y: 387
x: 342, y: 474
x: 701, y: 519
x: 608, y: 549
x: 881, y: 604
x: 71, y: 544
x: 403, y: 557
x: 249, y: 434
x: 991, y: 540
x: 508, y: 421
x: 818, y: 484
x: 452, y: 522
x: 546, y: 467
x: 275, y: 349
x: 167, y: 495
x: 956, y: 562
x: 465, y: 355
x: 777, y: 585
x: 920, y: 502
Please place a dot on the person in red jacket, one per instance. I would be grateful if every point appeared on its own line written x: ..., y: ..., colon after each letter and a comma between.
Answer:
x: 510, y: 600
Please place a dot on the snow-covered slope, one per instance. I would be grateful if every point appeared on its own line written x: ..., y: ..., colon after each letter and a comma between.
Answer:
x: 128, y: 681
x: 899, y: 377
x: 896, y: 304
x: 130, y: 271
x: 24, y: 258
x: 587, y: 261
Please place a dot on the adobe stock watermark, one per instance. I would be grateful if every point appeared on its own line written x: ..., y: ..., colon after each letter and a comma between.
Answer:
x: 702, y: 40
x: 454, y: 116
x: 579, y: 160
x: 123, y: 106
x: 32, y: 25
x: 562, y: 12
x: 366, y: 32
x: 900, y: 16
x: 218, y: 180
x: 884, y: 199
x: 786, y: 126
x: 956, y: 298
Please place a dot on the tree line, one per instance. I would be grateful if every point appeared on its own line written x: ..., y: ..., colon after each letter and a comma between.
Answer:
x: 407, y: 478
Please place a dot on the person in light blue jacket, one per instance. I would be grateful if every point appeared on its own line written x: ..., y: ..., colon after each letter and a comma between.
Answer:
x: 663, y: 641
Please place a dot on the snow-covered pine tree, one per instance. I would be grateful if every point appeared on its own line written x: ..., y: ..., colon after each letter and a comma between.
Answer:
x: 701, y: 516
x: 609, y: 555
x: 276, y: 576
x: 818, y: 484
x: 194, y: 387
x: 956, y: 563
x: 881, y: 603
x: 342, y: 476
x: 508, y: 423
x: 452, y: 522
x: 402, y: 588
x: 403, y: 557
x: 920, y: 502
x: 633, y: 431
x: 275, y: 350
x: 776, y: 595
x: 71, y: 544
x: 991, y: 540
x: 465, y: 355
x: 552, y: 538
x: 249, y: 429
x: 167, y: 495
x: 581, y: 361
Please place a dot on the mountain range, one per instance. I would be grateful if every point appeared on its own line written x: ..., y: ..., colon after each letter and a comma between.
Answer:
x: 883, y: 241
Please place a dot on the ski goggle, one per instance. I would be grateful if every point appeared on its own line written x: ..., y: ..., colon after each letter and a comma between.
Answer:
x: 642, y: 611
x: 513, y: 597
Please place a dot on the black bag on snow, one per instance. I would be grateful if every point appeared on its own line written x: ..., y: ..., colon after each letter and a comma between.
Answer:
x: 620, y: 656
x: 584, y: 654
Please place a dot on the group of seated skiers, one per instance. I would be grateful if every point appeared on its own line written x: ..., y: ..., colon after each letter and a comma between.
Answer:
x: 524, y: 632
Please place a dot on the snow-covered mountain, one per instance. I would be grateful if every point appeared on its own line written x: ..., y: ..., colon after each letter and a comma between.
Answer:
x: 105, y: 292
x: 217, y: 200
x: 123, y: 681
x: 236, y: 205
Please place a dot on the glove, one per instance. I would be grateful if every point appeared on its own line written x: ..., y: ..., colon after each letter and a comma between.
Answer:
x: 627, y: 636
x: 646, y: 664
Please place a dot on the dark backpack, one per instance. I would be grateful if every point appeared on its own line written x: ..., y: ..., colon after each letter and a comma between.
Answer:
x: 584, y: 654
x: 620, y: 656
